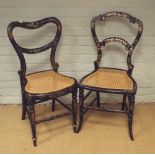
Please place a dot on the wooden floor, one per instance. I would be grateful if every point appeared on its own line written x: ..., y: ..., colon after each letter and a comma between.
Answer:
x: 101, y: 132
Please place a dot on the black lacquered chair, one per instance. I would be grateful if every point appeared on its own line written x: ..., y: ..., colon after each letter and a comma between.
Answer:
x: 44, y: 85
x: 111, y: 80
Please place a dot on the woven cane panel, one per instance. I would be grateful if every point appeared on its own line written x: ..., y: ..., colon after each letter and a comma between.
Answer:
x: 110, y: 79
x: 47, y: 81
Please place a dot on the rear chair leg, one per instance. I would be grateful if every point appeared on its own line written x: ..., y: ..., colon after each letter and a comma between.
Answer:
x: 81, y: 100
x: 23, y: 107
x: 23, y: 97
x: 98, y: 99
x: 23, y: 112
x: 124, y: 101
x: 131, y: 98
x: 53, y: 104
x: 74, y: 109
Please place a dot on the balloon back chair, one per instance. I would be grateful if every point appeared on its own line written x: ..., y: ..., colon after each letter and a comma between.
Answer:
x: 111, y: 80
x: 44, y: 85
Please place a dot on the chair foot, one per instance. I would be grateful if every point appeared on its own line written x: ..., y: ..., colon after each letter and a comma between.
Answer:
x: 80, y: 125
x: 130, y: 129
x: 34, y: 142
x: 74, y: 129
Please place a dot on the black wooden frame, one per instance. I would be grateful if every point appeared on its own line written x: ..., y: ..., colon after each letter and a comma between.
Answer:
x: 127, y: 108
x: 29, y: 99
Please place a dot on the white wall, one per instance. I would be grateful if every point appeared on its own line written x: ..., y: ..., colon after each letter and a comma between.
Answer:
x: 76, y: 51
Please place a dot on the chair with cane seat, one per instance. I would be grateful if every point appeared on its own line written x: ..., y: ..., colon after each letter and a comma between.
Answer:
x: 44, y: 85
x: 111, y: 80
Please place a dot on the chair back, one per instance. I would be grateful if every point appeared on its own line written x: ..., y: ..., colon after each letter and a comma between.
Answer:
x: 128, y: 47
x: 34, y: 25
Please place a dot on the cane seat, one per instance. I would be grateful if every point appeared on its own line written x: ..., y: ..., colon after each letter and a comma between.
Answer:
x: 47, y: 81
x: 109, y: 79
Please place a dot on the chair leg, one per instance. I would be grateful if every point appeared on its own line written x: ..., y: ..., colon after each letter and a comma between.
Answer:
x: 74, y: 109
x: 131, y: 99
x: 23, y: 97
x: 33, y: 124
x: 53, y: 104
x: 98, y: 99
x: 124, y: 101
x: 23, y: 107
x: 81, y: 100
